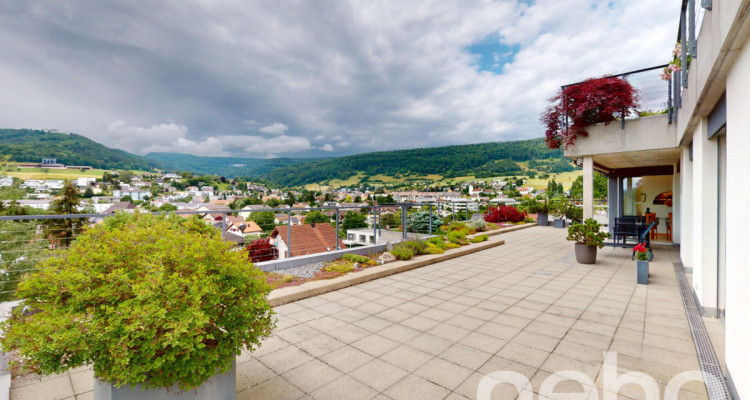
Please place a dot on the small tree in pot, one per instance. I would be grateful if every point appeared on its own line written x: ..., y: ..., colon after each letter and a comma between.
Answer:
x: 159, y: 302
x: 588, y: 238
x: 540, y: 208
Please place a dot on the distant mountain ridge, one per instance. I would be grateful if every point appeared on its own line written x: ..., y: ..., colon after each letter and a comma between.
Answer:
x: 480, y: 160
x: 30, y: 145
x: 224, y: 166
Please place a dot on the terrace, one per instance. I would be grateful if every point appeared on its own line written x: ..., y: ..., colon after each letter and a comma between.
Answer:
x: 436, y: 331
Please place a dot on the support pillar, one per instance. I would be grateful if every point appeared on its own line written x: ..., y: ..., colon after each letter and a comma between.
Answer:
x: 588, y: 187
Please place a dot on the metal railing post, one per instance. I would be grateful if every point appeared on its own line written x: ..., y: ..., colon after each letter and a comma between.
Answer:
x: 430, y: 219
x: 403, y: 222
x: 224, y: 226
x: 337, y: 229
x: 670, y: 108
x: 289, y: 234
x: 453, y: 210
x: 374, y: 226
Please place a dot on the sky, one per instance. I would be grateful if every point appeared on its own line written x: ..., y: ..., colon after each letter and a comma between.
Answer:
x: 311, y: 78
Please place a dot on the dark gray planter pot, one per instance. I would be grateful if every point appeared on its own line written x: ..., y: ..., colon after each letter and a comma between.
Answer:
x: 542, y: 219
x: 642, y: 272
x: 585, y: 254
x: 559, y: 223
x: 218, y: 387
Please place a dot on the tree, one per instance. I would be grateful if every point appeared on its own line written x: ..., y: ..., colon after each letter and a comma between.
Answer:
x: 273, y: 202
x: 89, y: 193
x: 126, y: 176
x: 348, y: 199
x: 420, y: 222
x: 601, y: 185
x: 316, y: 217
x: 290, y: 199
x: 62, y: 231
x: 590, y: 102
x: 390, y: 220
x: 262, y: 250
x: 168, y: 207
x: 126, y: 198
x: 358, y: 199
x: 354, y: 220
x: 264, y: 219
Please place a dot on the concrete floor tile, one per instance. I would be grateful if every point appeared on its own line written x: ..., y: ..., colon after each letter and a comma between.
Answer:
x: 429, y: 344
x: 285, y: 359
x: 252, y: 373
x: 378, y: 374
x: 406, y: 358
x: 465, y: 356
x: 346, y: 359
x: 415, y: 388
x: 320, y: 345
x: 375, y: 345
x: 274, y: 389
x: 523, y: 354
x: 344, y: 388
x: 311, y: 375
x: 443, y: 373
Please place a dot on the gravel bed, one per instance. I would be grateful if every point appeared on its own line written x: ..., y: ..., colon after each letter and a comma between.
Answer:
x: 303, y: 271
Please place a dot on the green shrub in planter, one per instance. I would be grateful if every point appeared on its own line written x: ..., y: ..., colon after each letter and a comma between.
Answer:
x: 145, y: 299
x: 402, y: 252
x: 356, y: 258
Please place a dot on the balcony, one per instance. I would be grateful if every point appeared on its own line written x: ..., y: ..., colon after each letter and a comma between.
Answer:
x: 435, y: 332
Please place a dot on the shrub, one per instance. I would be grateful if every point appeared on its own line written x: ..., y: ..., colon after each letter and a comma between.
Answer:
x: 262, y: 250
x: 456, y: 237
x: 480, y: 238
x: 356, y: 258
x: 340, y: 267
x: 504, y: 214
x: 416, y: 246
x: 144, y: 299
x: 437, y: 241
x: 402, y: 252
x: 587, y: 233
x: 432, y: 249
x: 420, y: 222
x: 287, y: 278
x: 452, y: 246
x: 478, y: 225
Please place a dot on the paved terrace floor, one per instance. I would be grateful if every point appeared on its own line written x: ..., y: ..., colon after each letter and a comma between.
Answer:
x: 434, y: 332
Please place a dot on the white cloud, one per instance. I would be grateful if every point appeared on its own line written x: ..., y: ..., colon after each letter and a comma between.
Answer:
x: 394, y: 74
x: 326, y: 147
x: 276, y: 128
x: 168, y: 137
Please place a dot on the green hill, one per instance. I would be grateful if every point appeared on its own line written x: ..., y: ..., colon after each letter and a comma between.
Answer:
x: 28, y: 145
x: 479, y: 160
x: 224, y: 166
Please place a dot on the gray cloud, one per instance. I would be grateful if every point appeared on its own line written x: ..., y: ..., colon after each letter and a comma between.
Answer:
x: 306, y: 78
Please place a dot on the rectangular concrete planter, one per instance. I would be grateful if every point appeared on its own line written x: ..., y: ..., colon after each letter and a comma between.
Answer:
x: 643, y: 272
x: 542, y: 219
x: 218, y: 387
x: 559, y: 223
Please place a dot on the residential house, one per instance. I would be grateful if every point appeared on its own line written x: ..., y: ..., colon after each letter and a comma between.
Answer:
x: 249, y: 209
x: 239, y: 227
x: 134, y: 193
x: 366, y: 237
x: 305, y: 239
x: 689, y: 168
x: 6, y: 181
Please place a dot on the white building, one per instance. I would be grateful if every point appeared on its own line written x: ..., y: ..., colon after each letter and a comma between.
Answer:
x: 690, y: 167
x: 6, y: 181
x: 83, y: 182
x: 134, y: 193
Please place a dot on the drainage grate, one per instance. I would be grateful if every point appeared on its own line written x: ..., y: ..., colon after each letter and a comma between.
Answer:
x: 716, y: 384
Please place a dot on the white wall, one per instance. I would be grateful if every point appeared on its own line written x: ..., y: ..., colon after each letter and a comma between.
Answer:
x: 686, y: 208
x: 704, y: 217
x: 738, y: 201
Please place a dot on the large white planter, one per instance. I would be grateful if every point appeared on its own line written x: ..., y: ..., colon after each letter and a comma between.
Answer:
x: 218, y: 387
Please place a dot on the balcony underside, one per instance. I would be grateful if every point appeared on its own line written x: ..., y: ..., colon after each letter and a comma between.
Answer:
x: 643, y: 144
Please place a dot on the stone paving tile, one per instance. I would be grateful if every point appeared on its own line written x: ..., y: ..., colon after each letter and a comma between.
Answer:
x: 436, y: 331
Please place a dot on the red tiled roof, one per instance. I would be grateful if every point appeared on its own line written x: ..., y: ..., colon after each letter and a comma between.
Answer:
x: 309, y: 240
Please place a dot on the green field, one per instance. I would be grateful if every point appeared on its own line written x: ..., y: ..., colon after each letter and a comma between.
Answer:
x: 51, y: 173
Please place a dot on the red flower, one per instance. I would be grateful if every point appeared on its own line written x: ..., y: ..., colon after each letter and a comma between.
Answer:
x: 640, y: 248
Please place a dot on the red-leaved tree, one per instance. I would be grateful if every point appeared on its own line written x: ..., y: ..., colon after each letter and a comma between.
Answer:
x: 262, y: 250
x: 504, y: 214
x: 590, y: 102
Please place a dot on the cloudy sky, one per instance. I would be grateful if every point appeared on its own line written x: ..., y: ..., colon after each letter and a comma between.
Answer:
x: 310, y: 78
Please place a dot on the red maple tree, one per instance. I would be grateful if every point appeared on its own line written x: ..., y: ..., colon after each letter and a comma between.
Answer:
x: 597, y: 100
x: 262, y: 250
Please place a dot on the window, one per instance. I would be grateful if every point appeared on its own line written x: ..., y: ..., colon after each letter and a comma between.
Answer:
x: 351, y: 236
x: 362, y: 239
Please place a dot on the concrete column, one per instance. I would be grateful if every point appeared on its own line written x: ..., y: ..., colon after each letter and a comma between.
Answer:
x: 588, y: 187
x: 738, y: 213
x: 686, y: 208
x: 613, y: 203
x: 705, y: 217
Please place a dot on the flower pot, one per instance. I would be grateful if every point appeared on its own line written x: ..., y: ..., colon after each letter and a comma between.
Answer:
x: 642, y: 272
x: 585, y: 254
x: 219, y: 387
x: 542, y: 219
x: 559, y: 223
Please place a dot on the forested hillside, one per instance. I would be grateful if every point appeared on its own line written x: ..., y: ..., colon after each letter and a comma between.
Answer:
x: 28, y: 145
x: 223, y: 166
x: 480, y: 160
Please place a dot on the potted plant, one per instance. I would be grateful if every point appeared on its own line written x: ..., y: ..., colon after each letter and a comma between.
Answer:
x: 642, y: 254
x: 588, y: 238
x: 574, y: 214
x: 541, y: 209
x: 559, y: 209
x: 156, y: 304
